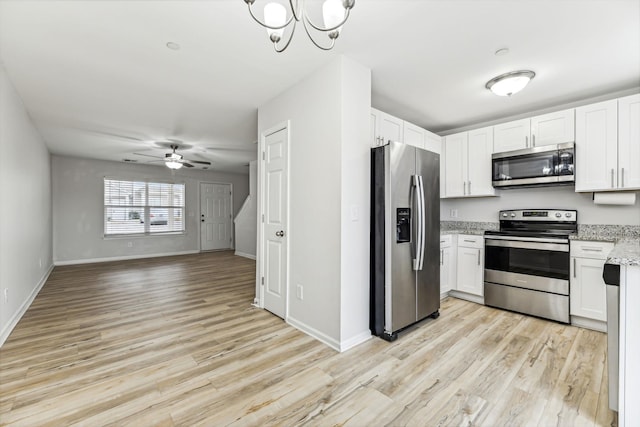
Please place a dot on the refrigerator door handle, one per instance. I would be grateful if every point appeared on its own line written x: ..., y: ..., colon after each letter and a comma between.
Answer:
x: 423, y: 228
x: 416, y: 212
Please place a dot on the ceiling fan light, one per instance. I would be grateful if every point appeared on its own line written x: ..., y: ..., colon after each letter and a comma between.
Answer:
x: 509, y: 83
x: 275, y: 15
x: 172, y: 164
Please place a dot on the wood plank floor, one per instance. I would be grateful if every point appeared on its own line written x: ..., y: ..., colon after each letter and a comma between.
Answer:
x: 175, y: 341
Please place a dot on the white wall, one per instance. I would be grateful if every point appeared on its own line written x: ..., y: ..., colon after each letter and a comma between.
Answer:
x: 78, y: 209
x: 246, y: 220
x: 485, y: 209
x: 25, y: 208
x: 324, y: 144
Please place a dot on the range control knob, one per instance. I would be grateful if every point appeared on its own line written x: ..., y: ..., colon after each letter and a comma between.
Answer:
x: 504, y: 215
x: 513, y: 215
x: 558, y: 214
x: 568, y: 214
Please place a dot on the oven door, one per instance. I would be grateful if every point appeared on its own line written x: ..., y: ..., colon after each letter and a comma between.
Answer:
x: 537, y: 264
x: 533, y: 166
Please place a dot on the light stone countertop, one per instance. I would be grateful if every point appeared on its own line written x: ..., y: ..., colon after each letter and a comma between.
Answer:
x: 469, y: 232
x: 625, y: 252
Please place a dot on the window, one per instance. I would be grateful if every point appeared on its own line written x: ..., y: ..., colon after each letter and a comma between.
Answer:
x: 138, y: 207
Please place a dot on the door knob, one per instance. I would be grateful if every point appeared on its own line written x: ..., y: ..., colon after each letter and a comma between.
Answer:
x: 280, y: 233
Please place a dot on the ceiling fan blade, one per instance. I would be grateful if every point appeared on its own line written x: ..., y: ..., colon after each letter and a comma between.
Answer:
x: 200, y: 162
x: 148, y: 155
x: 187, y: 164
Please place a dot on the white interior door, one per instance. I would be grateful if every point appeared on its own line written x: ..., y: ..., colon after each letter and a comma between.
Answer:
x: 215, y: 216
x: 275, y: 232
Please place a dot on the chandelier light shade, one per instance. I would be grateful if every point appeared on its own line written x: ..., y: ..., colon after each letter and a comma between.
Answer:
x: 334, y: 13
x: 173, y: 160
x: 509, y: 83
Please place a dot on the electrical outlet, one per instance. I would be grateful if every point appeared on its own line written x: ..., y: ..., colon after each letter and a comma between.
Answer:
x: 299, y: 292
x: 130, y: 244
x: 453, y: 213
x: 6, y: 295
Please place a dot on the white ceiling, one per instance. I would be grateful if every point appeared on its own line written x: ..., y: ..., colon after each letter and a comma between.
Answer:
x: 99, y: 81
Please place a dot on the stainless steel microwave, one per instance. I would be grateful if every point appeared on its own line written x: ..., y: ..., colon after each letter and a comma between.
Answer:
x: 538, y: 166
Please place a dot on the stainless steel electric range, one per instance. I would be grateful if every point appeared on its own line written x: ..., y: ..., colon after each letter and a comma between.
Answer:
x: 527, y: 262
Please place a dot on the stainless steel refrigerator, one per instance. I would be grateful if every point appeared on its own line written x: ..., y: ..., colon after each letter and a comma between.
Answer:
x: 405, y: 238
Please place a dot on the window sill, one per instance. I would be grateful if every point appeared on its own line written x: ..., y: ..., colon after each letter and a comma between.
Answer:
x: 142, y: 235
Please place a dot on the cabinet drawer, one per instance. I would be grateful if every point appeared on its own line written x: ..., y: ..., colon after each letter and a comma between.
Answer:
x: 445, y: 241
x: 596, y: 250
x: 470, y: 241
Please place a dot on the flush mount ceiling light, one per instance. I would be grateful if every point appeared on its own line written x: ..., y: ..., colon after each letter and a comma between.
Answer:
x: 509, y: 83
x: 334, y: 12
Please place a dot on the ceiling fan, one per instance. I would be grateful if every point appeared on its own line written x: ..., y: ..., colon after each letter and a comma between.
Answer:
x: 174, y: 160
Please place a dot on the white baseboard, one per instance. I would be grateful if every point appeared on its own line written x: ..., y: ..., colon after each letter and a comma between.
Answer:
x: 320, y: 336
x: 242, y: 254
x: 468, y: 297
x: 122, y: 258
x: 354, y: 341
x: 443, y: 295
x: 4, y: 334
x: 584, y: 322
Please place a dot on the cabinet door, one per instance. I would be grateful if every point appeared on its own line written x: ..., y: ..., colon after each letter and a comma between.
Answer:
x: 390, y: 128
x: 414, y: 135
x: 455, y: 153
x: 447, y: 270
x: 588, y: 292
x: 554, y: 128
x: 480, y: 147
x: 433, y: 142
x: 511, y: 136
x: 375, y: 126
x: 469, y: 271
x: 596, y: 146
x: 629, y: 142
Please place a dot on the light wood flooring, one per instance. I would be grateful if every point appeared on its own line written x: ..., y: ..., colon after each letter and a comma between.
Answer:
x: 175, y: 341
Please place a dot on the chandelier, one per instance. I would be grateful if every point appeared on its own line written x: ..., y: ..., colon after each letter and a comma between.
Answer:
x: 334, y: 12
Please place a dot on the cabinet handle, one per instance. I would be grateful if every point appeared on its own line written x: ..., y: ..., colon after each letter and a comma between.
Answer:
x: 441, y: 257
x: 533, y: 140
x: 611, y: 178
x: 574, y: 268
x: 469, y: 187
x: 526, y: 141
x: 464, y: 188
x: 469, y: 241
x: 622, y: 175
x: 592, y: 249
x: 478, y: 256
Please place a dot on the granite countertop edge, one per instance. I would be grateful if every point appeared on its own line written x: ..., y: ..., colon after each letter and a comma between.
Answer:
x: 625, y: 252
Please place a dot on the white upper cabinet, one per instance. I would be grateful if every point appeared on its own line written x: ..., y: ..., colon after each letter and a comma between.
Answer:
x: 547, y: 129
x: 553, y: 128
x: 385, y: 128
x: 480, y: 148
x: 629, y: 142
x: 414, y: 135
x: 433, y: 142
x: 454, y: 151
x: 596, y: 146
x: 511, y: 136
x: 467, y: 164
x: 608, y: 145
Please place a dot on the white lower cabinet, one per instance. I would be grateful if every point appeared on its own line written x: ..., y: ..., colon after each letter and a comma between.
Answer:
x: 470, y: 268
x: 447, y: 265
x: 588, y: 295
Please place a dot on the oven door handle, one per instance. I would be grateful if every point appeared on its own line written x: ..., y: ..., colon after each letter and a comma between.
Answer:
x: 555, y: 247
x: 527, y: 239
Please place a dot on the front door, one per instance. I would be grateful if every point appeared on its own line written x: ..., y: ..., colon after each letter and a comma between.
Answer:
x: 275, y: 232
x: 215, y: 216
